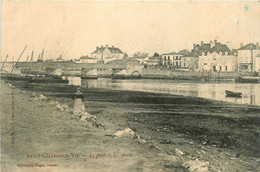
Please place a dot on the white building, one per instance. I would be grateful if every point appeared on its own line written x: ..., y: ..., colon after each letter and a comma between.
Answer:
x: 257, y: 63
x: 107, y: 54
x: 172, y: 59
x: 86, y: 59
x: 248, y: 58
x: 217, y: 57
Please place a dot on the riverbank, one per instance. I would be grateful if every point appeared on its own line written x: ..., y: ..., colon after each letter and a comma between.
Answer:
x: 117, y: 71
x: 176, y: 129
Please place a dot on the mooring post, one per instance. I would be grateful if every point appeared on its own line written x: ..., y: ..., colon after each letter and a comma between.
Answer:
x: 79, y: 107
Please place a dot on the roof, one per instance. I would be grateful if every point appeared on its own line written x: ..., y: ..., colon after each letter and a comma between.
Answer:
x: 173, y: 53
x: 188, y: 55
x: 203, y: 47
x: 220, y: 48
x: 123, y: 61
x: 111, y: 49
x: 155, y: 58
x: 86, y: 57
x: 249, y: 46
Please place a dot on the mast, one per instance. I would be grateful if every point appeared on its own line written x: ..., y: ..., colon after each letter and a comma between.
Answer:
x: 32, y: 56
x: 27, y: 58
x: 19, y: 58
x: 43, y: 51
x: 4, y: 62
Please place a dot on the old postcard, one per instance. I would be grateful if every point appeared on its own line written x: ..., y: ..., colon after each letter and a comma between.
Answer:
x: 130, y: 86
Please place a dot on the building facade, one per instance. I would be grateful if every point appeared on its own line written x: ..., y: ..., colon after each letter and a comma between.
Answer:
x: 154, y: 61
x: 172, y: 59
x: 257, y: 63
x: 107, y: 54
x: 189, y: 61
x: 86, y: 59
x: 248, y: 58
x: 217, y: 57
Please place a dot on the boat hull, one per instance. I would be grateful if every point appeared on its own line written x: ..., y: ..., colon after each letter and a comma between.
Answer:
x: 248, y: 79
x: 233, y: 94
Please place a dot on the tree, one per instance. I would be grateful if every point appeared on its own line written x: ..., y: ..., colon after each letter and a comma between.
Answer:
x: 140, y: 55
x: 185, y: 51
x: 156, y: 55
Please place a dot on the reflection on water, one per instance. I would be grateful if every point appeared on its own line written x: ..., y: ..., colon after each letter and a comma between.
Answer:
x: 216, y: 91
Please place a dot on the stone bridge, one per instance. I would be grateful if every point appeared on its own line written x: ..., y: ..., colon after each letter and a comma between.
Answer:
x: 131, y: 71
x: 44, y: 65
x: 135, y: 70
x: 76, y: 68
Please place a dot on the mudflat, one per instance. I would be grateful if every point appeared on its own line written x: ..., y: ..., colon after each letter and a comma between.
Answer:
x: 176, y: 132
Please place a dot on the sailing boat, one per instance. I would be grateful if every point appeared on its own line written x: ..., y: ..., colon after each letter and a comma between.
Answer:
x: 11, y: 76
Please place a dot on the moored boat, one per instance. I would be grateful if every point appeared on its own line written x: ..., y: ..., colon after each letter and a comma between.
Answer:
x: 248, y: 79
x: 14, y: 77
x: 41, y: 79
x: 233, y: 94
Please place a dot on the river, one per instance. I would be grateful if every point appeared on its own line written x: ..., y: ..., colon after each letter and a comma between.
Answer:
x: 213, y: 90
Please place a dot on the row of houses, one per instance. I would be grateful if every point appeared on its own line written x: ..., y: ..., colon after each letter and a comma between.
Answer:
x: 212, y: 56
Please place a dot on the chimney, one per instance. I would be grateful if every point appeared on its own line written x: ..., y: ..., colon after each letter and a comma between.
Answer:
x: 97, y: 47
x: 112, y: 46
x: 211, y: 44
x: 241, y: 45
x: 193, y: 46
x: 106, y: 45
x: 201, y: 43
x: 257, y: 45
x: 215, y: 41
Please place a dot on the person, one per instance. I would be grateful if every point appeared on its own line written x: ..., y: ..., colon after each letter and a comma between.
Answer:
x: 79, y: 106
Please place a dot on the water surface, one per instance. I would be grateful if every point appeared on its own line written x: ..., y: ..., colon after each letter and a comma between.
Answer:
x: 214, y: 90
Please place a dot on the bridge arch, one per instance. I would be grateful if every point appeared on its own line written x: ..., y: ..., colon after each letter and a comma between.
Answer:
x: 136, y: 74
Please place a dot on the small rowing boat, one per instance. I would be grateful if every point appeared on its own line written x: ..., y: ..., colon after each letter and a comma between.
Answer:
x: 233, y: 94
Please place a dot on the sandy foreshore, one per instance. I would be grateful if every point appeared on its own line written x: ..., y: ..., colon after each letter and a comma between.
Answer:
x: 179, y: 132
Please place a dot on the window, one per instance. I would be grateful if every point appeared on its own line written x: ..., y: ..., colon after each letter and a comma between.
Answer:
x: 184, y: 64
x: 214, y: 68
x: 205, y: 63
x: 168, y: 57
x: 226, y: 68
x: 220, y: 68
x: 164, y: 57
x: 176, y: 63
x: 244, y: 67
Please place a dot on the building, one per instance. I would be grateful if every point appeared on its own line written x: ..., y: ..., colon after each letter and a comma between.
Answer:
x: 153, y: 61
x: 248, y: 58
x: 172, y: 59
x: 215, y: 57
x: 198, y: 49
x: 107, y: 54
x: 87, y: 59
x: 189, y: 61
x: 257, y: 63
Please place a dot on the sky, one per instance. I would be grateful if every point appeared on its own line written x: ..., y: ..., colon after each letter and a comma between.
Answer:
x: 76, y: 28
